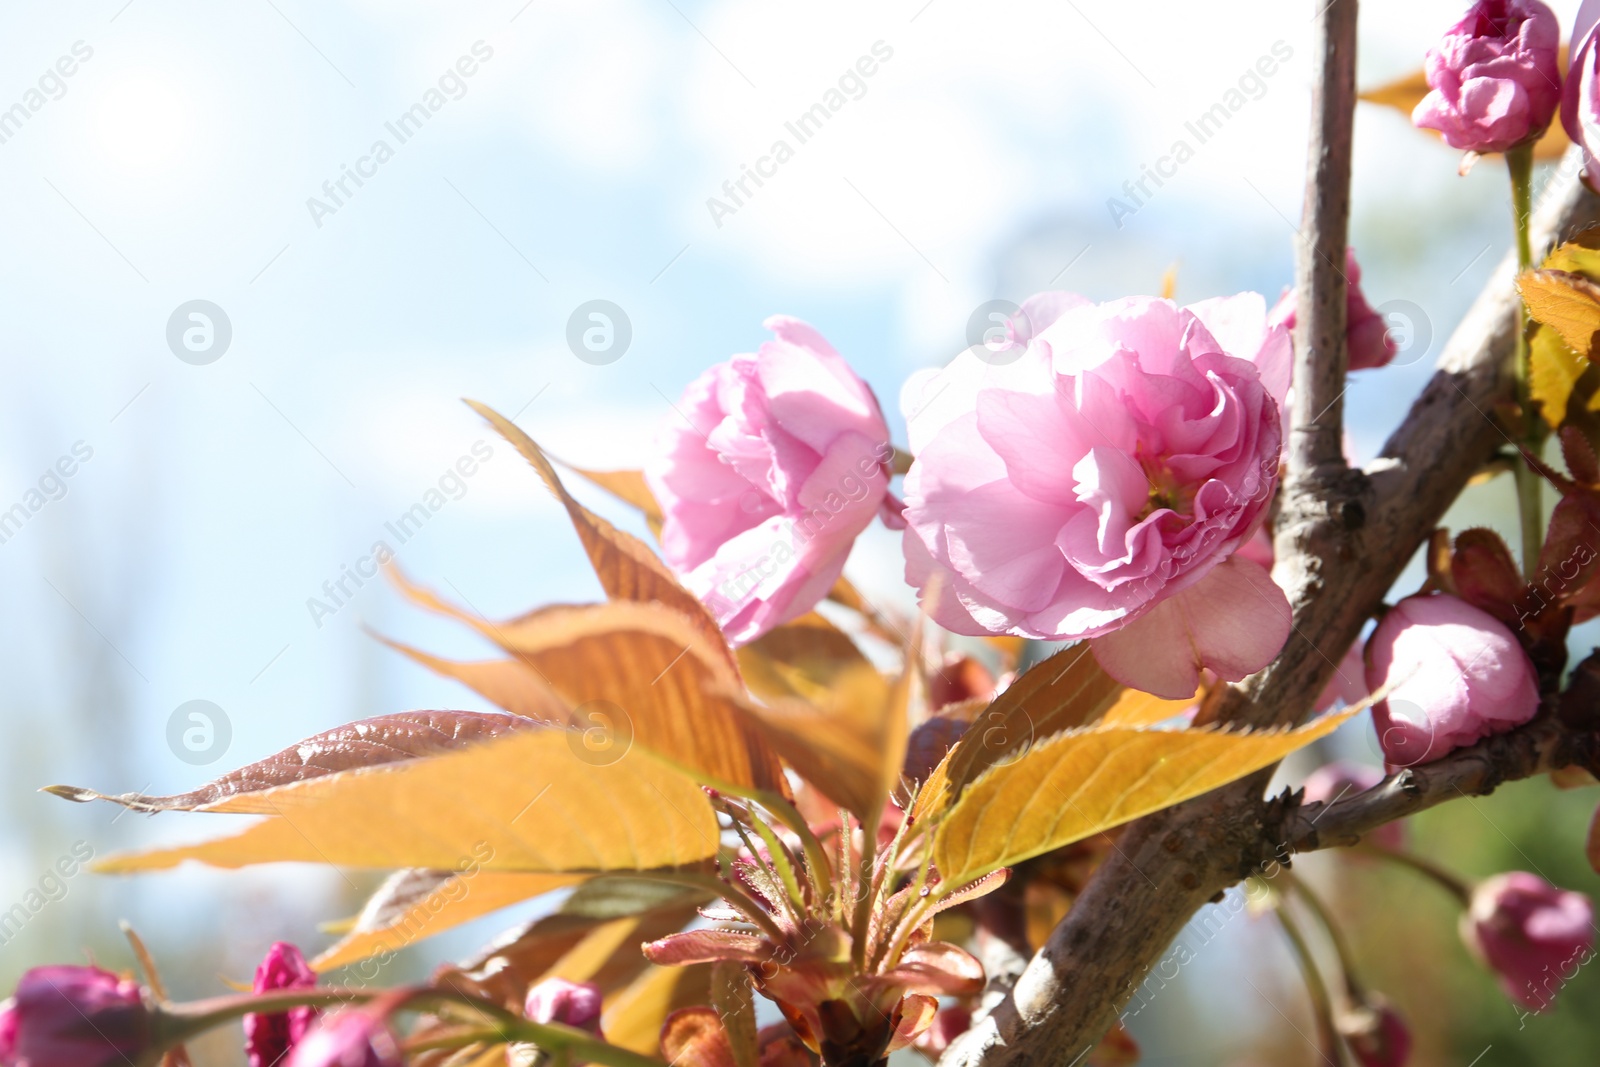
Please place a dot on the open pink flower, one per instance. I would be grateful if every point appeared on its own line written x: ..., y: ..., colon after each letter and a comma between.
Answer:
x: 1366, y: 333
x: 1535, y: 936
x: 1454, y: 674
x: 766, y: 473
x: 1494, y: 77
x: 1097, y: 486
x: 69, y: 1016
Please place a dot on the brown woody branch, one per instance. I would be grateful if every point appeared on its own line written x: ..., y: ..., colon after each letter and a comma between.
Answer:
x: 1344, y: 545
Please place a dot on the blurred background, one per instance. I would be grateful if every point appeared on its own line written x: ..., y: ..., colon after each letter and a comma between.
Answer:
x: 538, y: 155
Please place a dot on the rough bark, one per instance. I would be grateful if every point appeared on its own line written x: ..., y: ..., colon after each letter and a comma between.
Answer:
x: 1341, y: 547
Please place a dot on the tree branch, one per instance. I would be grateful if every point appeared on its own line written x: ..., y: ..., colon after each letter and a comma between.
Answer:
x: 1320, y: 357
x: 1169, y: 864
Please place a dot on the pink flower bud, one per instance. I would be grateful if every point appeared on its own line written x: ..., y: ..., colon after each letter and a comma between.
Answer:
x: 349, y: 1038
x: 1533, y: 935
x: 1340, y: 779
x: 1454, y: 675
x: 768, y: 470
x: 1580, y: 94
x: 64, y: 1016
x: 556, y: 1000
x: 1495, y: 79
x: 268, y: 1038
x: 1366, y: 333
x: 1376, y: 1034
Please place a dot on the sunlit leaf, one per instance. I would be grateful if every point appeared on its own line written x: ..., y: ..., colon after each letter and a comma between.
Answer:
x: 634, y: 1015
x: 628, y: 487
x: 630, y: 673
x: 1568, y: 303
x: 1136, y: 708
x: 416, y: 904
x: 384, y: 739
x: 625, y: 565
x: 1086, y: 781
x: 1553, y: 371
x: 829, y: 712
x: 1069, y: 689
x: 527, y: 801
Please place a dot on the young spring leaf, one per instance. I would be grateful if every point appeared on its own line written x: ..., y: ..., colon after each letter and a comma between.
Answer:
x: 414, y: 904
x: 827, y: 711
x: 1553, y: 372
x: 1568, y: 303
x: 526, y: 800
x: 1086, y: 781
x: 374, y: 742
x: 628, y: 673
x: 634, y: 1015
x: 625, y: 565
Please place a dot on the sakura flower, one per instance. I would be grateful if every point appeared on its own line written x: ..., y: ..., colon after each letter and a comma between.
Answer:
x: 1494, y: 77
x: 766, y: 473
x: 1100, y: 485
x: 1533, y: 935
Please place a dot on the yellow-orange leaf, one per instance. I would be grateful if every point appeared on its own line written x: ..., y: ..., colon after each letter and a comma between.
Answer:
x: 829, y: 712
x: 1553, y: 372
x: 628, y: 487
x: 1134, y: 708
x: 1086, y: 781
x: 630, y: 673
x: 633, y: 1015
x: 1568, y: 303
x: 415, y: 904
x: 527, y: 801
x: 625, y: 565
x: 1069, y: 689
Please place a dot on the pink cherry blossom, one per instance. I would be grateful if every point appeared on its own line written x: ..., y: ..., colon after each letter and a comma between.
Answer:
x: 1097, y: 485
x: 1535, y: 936
x: 1454, y: 675
x: 1494, y: 77
x: 350, y: 1037
x: 1376, y: 1034
x: 766, y: 473
x: 1366, y: 333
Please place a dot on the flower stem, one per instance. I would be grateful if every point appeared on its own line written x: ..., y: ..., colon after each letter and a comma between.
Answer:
x: 1455, y: 885
x: 186, y: 1020
x: 1321, y: 1002
x: 1530, y: 508
x: 1341, y: 947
